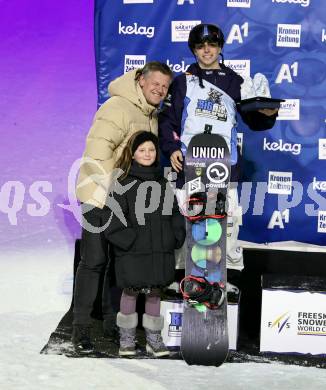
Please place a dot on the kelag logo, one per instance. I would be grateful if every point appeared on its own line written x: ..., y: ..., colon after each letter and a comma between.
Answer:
x: 136, y: 30
x: 281, y: 146
x: 239, y: 3
x: 134, y: 62
x: 280, y: 323
x: 177, y: 68
x: 288, y: 35
x: 180, y: 29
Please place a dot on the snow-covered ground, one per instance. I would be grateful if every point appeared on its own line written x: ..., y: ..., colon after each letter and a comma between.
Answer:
x: 48, y: 98
x: 35, y: 291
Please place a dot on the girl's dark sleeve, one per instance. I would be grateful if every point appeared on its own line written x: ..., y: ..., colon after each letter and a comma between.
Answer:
x: 178, y: 224
x: 169, y: 119
x: 120, y: 232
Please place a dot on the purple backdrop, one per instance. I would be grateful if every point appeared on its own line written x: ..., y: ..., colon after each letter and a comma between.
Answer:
x: 48, y: 99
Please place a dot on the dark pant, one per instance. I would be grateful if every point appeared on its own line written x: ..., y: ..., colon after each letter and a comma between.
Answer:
x: 94, y: 262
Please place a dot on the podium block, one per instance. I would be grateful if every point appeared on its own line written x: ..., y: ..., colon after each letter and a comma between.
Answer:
x: 293, y: 318
x: 172, y: 312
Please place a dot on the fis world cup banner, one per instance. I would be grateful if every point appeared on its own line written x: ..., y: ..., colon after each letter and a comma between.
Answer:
x: 283, y: 190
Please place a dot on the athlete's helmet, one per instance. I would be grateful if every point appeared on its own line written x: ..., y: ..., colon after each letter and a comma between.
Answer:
x: 205, y: 33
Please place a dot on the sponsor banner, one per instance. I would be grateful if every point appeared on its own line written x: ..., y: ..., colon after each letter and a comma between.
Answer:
x: 322, y: 221
x: 239, y: 3
x: 288, y: 35
x: 322, y: 149
x: 172, y: 312
x: 242, y: 67
x: 293, y: 322
x: 134, y: 62
x: 180, y: 29
x: 280, y: 183
x: 289, y: 110
x: 303, y: 3
x: 137, y: 1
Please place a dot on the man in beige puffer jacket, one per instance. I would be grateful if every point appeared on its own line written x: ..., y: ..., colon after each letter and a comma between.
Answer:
x: 132, y: 106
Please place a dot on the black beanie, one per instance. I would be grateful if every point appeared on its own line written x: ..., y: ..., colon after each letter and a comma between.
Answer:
x: 142, y: 137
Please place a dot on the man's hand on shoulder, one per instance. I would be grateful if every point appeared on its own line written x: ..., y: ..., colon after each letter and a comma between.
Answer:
x: 268, y: 111
x: 176, y: 159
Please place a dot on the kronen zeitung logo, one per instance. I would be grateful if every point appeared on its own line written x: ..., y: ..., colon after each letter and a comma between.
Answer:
x: 281, y: 146
x: 134, y: 29
x: 279, y: 182
x: 303, y: 3
x: 288, y: 35
x: 134, y: 62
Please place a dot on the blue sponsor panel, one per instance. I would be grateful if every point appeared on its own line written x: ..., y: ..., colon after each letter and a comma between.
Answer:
x: 283, y: 39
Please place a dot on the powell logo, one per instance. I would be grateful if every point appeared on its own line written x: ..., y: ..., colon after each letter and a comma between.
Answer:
x: 136, y: 30
x: 217, y: 173
x: 280, y: 323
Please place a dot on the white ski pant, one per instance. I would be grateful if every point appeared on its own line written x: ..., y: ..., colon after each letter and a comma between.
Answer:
x: 234, y: 257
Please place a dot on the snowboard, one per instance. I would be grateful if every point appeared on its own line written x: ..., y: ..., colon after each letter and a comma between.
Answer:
x: 204, y: 339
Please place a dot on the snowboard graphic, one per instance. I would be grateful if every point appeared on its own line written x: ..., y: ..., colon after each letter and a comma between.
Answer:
x: 204, y: 327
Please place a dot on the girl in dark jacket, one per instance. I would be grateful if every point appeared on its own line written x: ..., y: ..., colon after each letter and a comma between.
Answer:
x: 145, y: 229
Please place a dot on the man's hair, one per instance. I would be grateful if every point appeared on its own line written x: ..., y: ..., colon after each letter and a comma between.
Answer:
x: 154, y: 66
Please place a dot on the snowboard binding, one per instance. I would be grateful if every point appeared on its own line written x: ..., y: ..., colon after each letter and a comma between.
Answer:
x: 199, y: 291
x: 195, y: 205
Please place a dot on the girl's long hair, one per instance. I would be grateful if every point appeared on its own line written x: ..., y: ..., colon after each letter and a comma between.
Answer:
x: 125, y: 160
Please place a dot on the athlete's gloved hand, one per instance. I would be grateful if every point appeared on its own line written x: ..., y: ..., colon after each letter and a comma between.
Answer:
x: 176, y: 160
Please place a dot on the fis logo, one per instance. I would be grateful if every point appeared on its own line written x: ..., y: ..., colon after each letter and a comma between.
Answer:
x: 175, y: 326
x: 239, y: 3
x: 282, y: 146
x: 180, y: 29
x: 288, y: 35
x: 136, y: 30
x: 134, y: 62
x: 303, y: 3
x: 280, y: 323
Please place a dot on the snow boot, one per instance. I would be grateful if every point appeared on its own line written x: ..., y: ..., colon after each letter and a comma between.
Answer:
x: 153, y: 326
x: 81, y: 338
x: 127, y: 325
x: 110, y: 329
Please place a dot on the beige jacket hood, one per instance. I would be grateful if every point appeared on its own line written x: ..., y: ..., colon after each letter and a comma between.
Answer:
x: 123, y: 114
